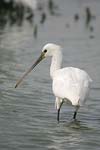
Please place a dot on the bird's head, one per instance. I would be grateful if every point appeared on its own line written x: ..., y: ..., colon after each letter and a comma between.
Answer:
x: 48, y: 50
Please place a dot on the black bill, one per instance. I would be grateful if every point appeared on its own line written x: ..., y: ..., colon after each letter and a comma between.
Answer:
x: 30, y: 69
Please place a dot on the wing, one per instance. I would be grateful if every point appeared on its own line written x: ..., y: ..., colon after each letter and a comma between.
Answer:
x: 71, y: 83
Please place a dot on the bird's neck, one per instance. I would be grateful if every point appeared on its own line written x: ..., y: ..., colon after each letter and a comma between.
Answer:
x: 56, y: 63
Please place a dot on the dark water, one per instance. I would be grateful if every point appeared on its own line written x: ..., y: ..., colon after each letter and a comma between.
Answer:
x: 27, y: 114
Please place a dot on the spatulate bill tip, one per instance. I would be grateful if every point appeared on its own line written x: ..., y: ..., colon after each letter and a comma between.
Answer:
x: 15, y: 86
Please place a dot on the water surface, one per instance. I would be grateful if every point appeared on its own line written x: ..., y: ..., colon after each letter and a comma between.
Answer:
x: 27, y: 114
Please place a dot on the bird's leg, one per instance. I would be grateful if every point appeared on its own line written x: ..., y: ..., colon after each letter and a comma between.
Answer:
x: 58, y: 113
x: 75, y: 113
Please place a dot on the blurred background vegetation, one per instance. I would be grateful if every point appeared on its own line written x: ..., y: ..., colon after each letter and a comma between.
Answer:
x: 16, y: 12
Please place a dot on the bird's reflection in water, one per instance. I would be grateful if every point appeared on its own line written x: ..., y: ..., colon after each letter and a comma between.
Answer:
x: 76, y: 125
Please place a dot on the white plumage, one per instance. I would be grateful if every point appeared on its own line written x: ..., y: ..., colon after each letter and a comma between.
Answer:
x: 68, y: 83
x: 71, y: 84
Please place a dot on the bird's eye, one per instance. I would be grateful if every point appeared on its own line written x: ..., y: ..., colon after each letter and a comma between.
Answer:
x: 45, y: 50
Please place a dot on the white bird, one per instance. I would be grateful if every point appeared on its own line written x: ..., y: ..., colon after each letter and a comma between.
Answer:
x: 68, y: 83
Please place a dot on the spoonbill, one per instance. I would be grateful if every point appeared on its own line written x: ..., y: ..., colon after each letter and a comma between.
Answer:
x: 69, y: 83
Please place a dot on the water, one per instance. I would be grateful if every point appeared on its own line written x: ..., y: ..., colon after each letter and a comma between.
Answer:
x: 27, y: 114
